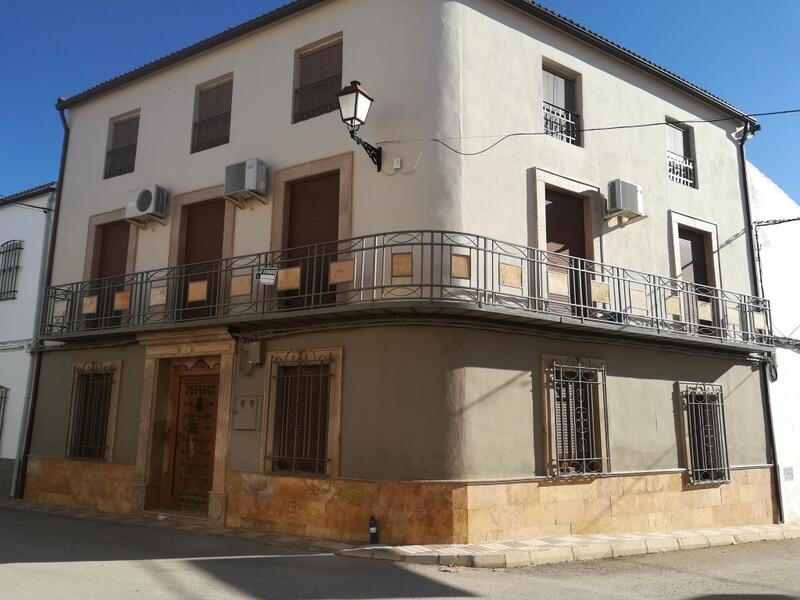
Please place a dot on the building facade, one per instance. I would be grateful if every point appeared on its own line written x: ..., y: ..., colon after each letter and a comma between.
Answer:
x: 467, y: 346
x: 25, y: 221
x: 777, y: 219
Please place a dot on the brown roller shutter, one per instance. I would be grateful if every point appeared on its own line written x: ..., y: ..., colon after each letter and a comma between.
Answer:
x: 202, y: 251
x: 312, y: 222
x: 694, y: 266
x: 567, y: 241
x: 113, y: 257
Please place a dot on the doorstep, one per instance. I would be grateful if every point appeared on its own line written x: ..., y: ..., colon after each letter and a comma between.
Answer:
x: 551, y: 550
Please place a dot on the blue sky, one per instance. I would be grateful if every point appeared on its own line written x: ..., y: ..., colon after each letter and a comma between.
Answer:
x: 746, y: 51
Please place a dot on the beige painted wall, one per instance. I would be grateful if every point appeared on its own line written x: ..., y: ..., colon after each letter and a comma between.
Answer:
x: 473, y: 69
x: 55, y: 386
x: 454, y: 403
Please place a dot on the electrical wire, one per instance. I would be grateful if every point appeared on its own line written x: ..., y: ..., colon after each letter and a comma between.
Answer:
x: 505, y: 137
x: 20, y: 204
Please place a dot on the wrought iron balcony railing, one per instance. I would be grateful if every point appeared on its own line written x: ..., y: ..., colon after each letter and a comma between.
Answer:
x: 317, y: 98
x: 680, y: 169
x: 562, y: 123
x: 383, y: 272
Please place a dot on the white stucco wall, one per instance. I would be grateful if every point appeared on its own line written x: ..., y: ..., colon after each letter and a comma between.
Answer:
x: 437, y: 68
x: 779, y: 247
x: 17, y: 316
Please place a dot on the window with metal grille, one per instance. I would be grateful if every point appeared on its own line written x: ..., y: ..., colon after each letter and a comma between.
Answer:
x: 90, y: 408
x: 706, y: 444
x: 302, y: 401
x: 561, y: 119
x: 10, y: 257
x: 680, y: 158
x: 578, y: 420
x: 212, y: 121
x: 319, y: 81
x: 121, y: 153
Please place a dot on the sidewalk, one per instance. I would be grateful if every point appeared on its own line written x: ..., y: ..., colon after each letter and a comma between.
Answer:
x: 550, y: 550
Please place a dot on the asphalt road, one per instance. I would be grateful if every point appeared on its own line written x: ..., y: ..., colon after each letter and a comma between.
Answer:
x: 48, y: 557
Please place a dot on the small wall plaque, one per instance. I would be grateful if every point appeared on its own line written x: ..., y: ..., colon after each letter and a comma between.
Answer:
x: 158, y: 296
x: 289, y: 279
x: 198, y: 291
x: 638, y: 300
x: 510, y: 275
x: 89, y: 306
x: 343, y: 271
x: 122, y: 300
x: 704, y: 312
x: 601, y: 292
x: 402, y: 264
x: 672, y: 304
x: 241, y: 285
x: 557, y: 283
x: 461, y: 266
x: 60, y: 309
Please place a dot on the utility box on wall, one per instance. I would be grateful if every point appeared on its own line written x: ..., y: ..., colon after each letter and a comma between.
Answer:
x: 246, y: 409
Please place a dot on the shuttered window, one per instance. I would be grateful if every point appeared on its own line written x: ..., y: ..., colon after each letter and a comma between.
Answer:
x: 10, y: 258
x: 121, y: 153
x: 680, y: 158
x: 561, y: 119
x: 302, y: 402
x: 212, y: 124
x: 692, y: 246
x: 578, y: 419
x: 319, y: 80
x: 706, y: 446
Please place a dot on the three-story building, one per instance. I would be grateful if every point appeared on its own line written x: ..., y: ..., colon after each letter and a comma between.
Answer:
x: 557, y: 335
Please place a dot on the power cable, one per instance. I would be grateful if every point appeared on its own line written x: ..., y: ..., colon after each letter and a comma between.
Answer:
x: 505, y: 137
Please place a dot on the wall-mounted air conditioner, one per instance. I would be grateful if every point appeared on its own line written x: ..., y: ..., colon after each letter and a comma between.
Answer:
x: 147, y: 204
x: 625, y: 201
x: 246, y: 180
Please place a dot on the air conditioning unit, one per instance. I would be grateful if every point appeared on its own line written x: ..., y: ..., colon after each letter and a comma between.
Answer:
x: 625, y: 201
x: 147, y: 204
x: 246, y: 180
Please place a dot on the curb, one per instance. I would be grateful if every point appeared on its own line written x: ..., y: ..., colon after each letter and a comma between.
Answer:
x: 548, y: 553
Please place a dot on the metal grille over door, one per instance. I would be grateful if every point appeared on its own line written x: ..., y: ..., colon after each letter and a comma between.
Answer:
x: 194, y: 444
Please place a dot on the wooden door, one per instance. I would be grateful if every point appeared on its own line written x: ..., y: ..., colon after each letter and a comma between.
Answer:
x: 109, y: 269
x: 196, y: 425
x: 202, y: 251
x: 566, y: 243
x: 312, y: 223
x: 694, y: 270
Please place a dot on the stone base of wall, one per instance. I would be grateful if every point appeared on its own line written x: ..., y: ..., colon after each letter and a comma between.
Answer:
x: 438, y: 513
x: 434, y: 513
x: 82, y: 484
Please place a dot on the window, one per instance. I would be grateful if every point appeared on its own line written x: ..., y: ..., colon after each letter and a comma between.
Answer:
x: 92, y: 413
x: 706, y: 445
x: 121, y: 153
x: 212, y: 115
x: 680, y: 158
x: 304, y: 414
x: 561, y: 119
x: 576, y: 418
x: 10, y: 256
x: 318, y: 81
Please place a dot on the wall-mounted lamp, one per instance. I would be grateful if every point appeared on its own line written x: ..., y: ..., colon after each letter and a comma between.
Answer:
x: 354, y: 105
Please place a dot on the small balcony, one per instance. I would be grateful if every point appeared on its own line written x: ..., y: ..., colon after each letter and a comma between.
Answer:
x: 432, y: 274
x: 680, y: 169
x: 562, y: 123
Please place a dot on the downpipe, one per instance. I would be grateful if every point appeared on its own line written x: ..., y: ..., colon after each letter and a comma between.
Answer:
x: 757, y: 290
x: 32, y: 391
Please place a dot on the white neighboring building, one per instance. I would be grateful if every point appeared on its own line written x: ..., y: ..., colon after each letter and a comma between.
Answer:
x: 25, y: 220
x: 780, y: 244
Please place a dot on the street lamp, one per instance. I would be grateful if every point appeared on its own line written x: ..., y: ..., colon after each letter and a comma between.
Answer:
x: 354, y: 105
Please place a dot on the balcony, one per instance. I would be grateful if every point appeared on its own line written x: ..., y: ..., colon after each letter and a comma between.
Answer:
x: 412, y: 273
x: 680, y: 169
x: 562, y: 123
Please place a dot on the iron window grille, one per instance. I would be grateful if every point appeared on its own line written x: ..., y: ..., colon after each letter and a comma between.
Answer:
x: 706, y: 445
x: 121, y: 154
x: 579, y: 420
x: 10, y: 257
x: 212, y: 124
x: 301, y: 383
x: 562, y: 123
x: 319, y: 83
x: 90, y: 408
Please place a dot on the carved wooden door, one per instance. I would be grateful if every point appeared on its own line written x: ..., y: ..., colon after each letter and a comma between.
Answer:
x: 194, y: 442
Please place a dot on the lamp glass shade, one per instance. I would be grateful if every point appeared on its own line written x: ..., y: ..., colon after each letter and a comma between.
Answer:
x: 354, y: 105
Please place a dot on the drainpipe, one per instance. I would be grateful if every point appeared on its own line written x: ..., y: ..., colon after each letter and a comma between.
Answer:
x: 755, y: 284
x: 45, y: 277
